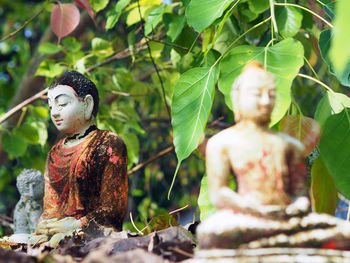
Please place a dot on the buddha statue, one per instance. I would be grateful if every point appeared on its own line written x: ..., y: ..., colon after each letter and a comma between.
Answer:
x: 85, y: 174
x: 271, y: 206
x: 30, y: 184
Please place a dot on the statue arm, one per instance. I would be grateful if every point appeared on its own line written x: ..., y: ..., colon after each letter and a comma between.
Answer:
x: 114, y: 188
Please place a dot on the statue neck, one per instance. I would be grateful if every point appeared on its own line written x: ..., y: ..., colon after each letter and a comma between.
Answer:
x: 79, y: 136
x: 253, y: 125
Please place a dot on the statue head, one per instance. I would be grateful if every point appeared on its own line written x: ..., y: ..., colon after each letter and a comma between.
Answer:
x: 30, y: 184
x: 253, y: 94
x: 73, y: 101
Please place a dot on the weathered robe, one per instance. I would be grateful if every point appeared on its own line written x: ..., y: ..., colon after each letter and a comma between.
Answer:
x: 88, y: 181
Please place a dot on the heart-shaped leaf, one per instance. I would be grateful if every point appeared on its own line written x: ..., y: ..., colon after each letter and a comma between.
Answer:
x: 190, y: 109
x: 64, y: 19
x: 334, y: 149
x: 283, y: 60
x: 324, y: 44
x: 85, y: 4
x: 302, y: 128
x: 323, y: 190
x: 201, y: 14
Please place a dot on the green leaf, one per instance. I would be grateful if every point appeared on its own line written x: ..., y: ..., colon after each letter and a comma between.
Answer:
x: 71, y: 44
x: 102, y: 47
x: 174, y: 25
x: 160, y: 222
x: 28, y: 133
x: 289, y: 20
x: 339, y: 52
x: 331, y: 103
x: 42, y: 131
x: 201, y: 14
x: 258, y: 6
x: 334, y: 149
x: 133, y: 146
x: 99, y: 5
x: 113, y: 17
x: 323, y: 190
x: 49, y: 68
x: 49, y: 48
x: 153, y: 19
x: 206, y: 207
x: 13, y: 144
x: 324, y: 43
x: 283, y: 60
x: 40, y: 112
x: 190, y: 109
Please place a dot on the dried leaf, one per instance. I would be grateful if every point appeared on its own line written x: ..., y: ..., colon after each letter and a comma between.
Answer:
x: 304, y: 129
x: 64, y: 19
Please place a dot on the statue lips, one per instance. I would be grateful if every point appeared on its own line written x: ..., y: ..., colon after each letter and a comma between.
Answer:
x: 58, y: 122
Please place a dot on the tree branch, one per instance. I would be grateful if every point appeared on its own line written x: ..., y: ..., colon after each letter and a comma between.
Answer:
x: 23, y: 26
x: 157, y: 156
x: 23, y: 104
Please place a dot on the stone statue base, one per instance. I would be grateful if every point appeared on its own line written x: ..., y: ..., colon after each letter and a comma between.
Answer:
x: 261, y: 255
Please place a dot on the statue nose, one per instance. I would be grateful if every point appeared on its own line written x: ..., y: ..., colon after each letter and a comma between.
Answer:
x: 265, y: 99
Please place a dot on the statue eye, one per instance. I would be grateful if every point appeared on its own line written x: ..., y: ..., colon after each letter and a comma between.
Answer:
x: 63, y: 104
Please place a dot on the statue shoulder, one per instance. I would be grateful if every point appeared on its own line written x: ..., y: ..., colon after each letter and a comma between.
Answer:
x: 223, y: 139
x: 111, y: 139
x: 292, y: 142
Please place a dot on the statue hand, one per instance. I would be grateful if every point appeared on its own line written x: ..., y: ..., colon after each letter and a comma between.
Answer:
x: 42, y: 226
x: 53, y: 226
x: 64, y: 225
x: 300, y: 206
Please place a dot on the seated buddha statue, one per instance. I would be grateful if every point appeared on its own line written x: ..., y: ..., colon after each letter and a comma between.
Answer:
x: 85, y: 174
x: 271, y: 206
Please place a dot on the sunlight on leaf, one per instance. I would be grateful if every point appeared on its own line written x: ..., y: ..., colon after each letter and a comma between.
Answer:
x: 190, y: 109
x: 201, y: 14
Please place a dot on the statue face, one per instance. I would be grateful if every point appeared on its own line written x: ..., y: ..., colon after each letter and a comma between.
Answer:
x: 255, y: 99
x: 67, y: 110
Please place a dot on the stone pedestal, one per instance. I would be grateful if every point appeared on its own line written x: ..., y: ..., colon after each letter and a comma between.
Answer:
x: 262, y: 255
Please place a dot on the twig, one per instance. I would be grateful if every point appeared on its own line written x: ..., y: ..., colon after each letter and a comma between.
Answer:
x: 133, y: 224
x: 180, y: 251
x: 141, y: 165
x: 23, y: 26
x: 153, y: 62
x: 6, y: 221
x: 178, y: 210
x: 127, y: 94
x: 169, y: 44
x: 21, y: 105
x: 123, y: 54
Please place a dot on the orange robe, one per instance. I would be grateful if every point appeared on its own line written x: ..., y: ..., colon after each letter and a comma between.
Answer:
x: 88, y: 181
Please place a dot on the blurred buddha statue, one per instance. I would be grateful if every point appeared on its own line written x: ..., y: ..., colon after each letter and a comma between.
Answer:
x: 271, y: 206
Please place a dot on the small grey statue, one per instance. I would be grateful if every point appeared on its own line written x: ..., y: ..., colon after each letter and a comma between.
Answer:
x: 30, y: 184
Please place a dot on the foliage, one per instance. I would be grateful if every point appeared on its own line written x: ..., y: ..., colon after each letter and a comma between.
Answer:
x: 151, y: 56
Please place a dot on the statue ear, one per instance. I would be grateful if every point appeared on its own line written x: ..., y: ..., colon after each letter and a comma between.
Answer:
x: 89, y: 106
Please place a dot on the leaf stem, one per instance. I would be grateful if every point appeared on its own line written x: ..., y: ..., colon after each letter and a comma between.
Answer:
x: 317, y: 81
x: 308, y: 10
x: 311, y: 68
x: 24, y: 111
x: 266, y: 47
x: 273, y: 18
